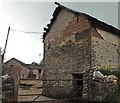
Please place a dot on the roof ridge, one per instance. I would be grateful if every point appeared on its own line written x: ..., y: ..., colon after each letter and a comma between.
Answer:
x: 93, y: 20
x: 22, y: 63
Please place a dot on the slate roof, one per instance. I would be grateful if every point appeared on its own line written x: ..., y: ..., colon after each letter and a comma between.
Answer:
x: 94, y: 21
x: 36, y: 66
x: 30, y: 66
x: 16, y: 60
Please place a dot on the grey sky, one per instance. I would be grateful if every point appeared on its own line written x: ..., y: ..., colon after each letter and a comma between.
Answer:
x: 33, y: 16
x: 105, y: 11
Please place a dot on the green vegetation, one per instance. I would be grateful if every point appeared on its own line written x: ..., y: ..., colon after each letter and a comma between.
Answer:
x: 117, y: 74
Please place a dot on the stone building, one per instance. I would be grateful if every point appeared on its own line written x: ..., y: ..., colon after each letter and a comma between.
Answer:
x: 35, y: 70
x: 76, y: 44
x: 16, y: 68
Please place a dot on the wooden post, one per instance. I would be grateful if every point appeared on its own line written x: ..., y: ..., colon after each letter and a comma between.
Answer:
x: 15, y: 88
x: 6, y: 40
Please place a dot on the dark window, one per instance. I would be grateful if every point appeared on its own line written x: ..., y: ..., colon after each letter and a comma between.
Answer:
x: 12, y: 65
x: 39, y: 70
x: 22, y: 76
x: 34, y: 75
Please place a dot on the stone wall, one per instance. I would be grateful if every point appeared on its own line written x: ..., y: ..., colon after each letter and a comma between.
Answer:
x: 64, y: 28
x: 103, y: 90
x: 109, y: 37
x: 66, y: 50
x: 61, y: 61
x: 14, y: 68
x: 24, y: 72
x: 105, y: 54
x: 73, y: 45
x: 55, y: 34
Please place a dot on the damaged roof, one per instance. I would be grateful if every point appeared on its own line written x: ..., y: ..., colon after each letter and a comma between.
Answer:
x: 94, y: 21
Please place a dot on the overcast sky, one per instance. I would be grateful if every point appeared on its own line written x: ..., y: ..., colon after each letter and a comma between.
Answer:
x: 33, y: 17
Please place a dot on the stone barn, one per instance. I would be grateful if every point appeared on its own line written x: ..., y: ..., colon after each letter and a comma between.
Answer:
x: 16, y: 68
x: 75, y: 45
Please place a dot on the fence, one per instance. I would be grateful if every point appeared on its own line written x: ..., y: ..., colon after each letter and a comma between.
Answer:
x: 74, y: 97
x: 31, y: 90
x: 10, y: 89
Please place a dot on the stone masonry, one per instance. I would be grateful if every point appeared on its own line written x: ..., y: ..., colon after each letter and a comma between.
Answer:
x: 73, y: 46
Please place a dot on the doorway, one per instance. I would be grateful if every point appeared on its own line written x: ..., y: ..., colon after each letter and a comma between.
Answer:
x: 78, y: 84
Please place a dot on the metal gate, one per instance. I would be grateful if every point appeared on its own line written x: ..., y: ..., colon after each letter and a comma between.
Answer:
x: 41, y: 98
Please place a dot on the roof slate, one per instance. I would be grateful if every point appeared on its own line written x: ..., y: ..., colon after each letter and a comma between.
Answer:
x: 94, y: 21
x: 30, y: 66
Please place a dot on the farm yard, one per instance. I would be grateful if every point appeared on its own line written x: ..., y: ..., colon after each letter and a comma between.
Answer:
x: 81, y: 63
x: 30, y: 90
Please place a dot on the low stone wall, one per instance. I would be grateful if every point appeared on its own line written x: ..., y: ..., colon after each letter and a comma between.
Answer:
x: 103, y: 90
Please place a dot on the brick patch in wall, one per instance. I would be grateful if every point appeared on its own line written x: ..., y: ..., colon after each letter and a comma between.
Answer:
x: 76, y: 26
